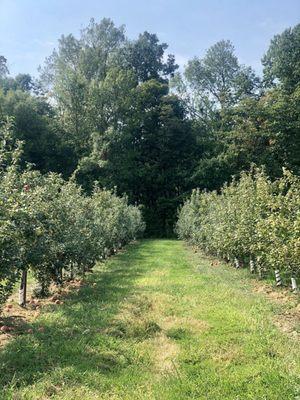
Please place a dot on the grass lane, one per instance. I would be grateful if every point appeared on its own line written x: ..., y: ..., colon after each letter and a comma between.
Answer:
x: 155, y: 322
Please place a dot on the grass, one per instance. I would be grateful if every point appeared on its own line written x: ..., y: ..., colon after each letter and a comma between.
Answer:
x: 156, y: 322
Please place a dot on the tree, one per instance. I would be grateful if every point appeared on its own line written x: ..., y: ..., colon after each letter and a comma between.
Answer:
x: 126, y: 130
x: 76, y: 69
x: 24, y: 82
x: 217, y: 81
x: 48, y: 224
x: 145, y: 56
x: 35, y: 124
x: 148, y: 156
x: 282, y: 60
x: 212, y: 88
x: 79, y: 73
x: 3, y: 67
x: 99, y: 82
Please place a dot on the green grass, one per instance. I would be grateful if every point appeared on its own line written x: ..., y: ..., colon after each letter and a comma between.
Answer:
x: 161, y: 323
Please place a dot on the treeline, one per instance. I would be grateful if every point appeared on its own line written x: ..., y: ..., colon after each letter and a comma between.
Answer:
x: 108, y: 109
x: 50, y: 227
x: 252, y: 222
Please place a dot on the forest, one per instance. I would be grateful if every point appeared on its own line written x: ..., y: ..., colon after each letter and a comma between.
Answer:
x: 113, y: 141
x: 118, y: 112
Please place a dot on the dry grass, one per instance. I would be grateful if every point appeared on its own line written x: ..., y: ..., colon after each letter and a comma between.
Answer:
x: 194, y: 325
x: 165, y: 352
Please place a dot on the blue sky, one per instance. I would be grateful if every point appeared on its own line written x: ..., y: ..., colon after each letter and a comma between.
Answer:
x: 29, y: 29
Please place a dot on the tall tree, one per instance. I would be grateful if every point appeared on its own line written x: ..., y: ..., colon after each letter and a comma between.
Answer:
x: 260, y: 129
x: 282, y: 60
x: 3, y: 67
x: 216, y: 81
x: 24, y: 82
x: 77, y: 67
x: 145, y: 56
x: 34, y: 123
x: 149, y: 155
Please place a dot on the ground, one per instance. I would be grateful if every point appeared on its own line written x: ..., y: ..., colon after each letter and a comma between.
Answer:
x: 157, y: 321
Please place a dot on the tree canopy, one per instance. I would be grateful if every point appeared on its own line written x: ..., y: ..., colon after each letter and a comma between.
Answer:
x: 116, y: 111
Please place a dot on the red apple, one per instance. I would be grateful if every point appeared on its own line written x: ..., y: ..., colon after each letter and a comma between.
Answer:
x: 5, y: 328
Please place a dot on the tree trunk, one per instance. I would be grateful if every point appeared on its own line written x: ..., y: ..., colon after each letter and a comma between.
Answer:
x: 23, y: 289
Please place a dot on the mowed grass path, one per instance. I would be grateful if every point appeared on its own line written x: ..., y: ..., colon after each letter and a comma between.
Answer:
x: 160, y: 323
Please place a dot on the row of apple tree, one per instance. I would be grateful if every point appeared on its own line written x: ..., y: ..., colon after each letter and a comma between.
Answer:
x: 252, y: 221
x: 49, y: 226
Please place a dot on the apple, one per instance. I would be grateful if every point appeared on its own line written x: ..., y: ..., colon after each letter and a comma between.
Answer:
x: 5, y: 328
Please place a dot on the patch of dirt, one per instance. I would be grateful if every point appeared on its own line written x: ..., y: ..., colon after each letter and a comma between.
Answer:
x: 215, y: 263
x: 280, y: 295
x: 289, y: 320
x: 16, y: 320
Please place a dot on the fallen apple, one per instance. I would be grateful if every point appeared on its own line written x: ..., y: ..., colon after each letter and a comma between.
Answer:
x: 5, y: 328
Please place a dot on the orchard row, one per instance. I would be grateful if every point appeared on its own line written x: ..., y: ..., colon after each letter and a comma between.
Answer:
x: 48, y: 226
x: 252, y: 221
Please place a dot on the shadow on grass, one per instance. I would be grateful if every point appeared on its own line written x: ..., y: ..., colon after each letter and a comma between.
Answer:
x: 73, y: 339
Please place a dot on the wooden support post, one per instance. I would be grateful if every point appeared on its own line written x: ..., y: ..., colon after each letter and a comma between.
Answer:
x: 294, y: 285
x: 23, y: 289
x: 278, y: 278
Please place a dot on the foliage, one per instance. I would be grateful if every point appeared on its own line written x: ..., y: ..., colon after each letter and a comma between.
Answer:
x: 263, y: 131
x: 103, y: 112
x: 35, y: 123
x: 49, y: 225
x: 145, y: 57
x: 149, y: 156
x: 235, y: 120
x: 282, y: 60
x: 124, y: 128
x: 217, y: 80
x: 252, y: 218
x: 3, y: 67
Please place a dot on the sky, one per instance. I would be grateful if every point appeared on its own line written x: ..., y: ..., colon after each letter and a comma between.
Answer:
x: 29, y: 29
